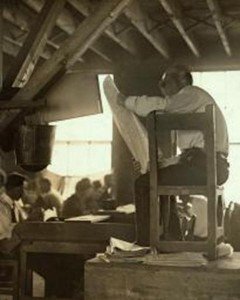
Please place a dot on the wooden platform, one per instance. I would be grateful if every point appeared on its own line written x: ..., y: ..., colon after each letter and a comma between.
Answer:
x: 172, y: 277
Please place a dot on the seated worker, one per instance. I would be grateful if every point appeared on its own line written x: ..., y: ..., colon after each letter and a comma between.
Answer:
x: 82, y: 202
x: 107, y: 187
x: 189, y: 168
x: 10, y: 214
x: 50, y: 197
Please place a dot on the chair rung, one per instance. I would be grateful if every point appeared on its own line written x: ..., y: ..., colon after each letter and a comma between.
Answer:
x: 186, y: 190
x: 182, y: 246
x: 6, y: 291
x: 6, y: 284
x: 182, y: 190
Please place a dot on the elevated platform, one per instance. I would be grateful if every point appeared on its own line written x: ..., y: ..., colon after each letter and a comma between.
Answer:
x: 183, y: 276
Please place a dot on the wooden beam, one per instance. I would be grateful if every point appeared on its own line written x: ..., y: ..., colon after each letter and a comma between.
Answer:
x: 175, y: 15
x: 9, y: 47
x: 20, y: 26
x: 16, y: 104
x: 67, y: 24
x: 15, y: 47
x: 74, y: 47
x: 140, y: 20
x: 123, y: 41
x: 1, y: 45
x: 29, y: 54
x: 74, y: 231
x: 216, y: 15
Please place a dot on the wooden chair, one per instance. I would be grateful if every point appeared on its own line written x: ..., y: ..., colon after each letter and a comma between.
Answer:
x: 9, y: 285
x: 204, y: 122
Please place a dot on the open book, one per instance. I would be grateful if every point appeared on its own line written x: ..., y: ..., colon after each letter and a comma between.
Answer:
x: 128, y: 124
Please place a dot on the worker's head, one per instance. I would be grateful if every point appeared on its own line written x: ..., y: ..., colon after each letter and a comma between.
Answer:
x: 108, y: 180
x: 31, y: 192
x: 174, y: 79
x: 82, y: 185
x: 14, y: 185
x: 96, y: 184
x: 44, y: 185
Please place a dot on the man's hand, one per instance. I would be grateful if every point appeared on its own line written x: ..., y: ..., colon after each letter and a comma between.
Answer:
x: 121, y: 99
x: 109, y: 86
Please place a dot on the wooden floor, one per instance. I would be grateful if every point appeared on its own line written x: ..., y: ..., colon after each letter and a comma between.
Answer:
x: 186, y: 276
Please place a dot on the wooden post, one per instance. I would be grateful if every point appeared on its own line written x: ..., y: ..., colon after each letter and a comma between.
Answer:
x: 1, y: 43
x: 212, y: 182
x: 154, y: 201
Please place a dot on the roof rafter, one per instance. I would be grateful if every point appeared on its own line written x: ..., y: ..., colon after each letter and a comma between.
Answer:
x: 175, y: 15
x: 139, y: 19
x: 34, y: 44
x: 11, y: 47
x: 21, y: 27
x: 123, y: 41
x: 74, y: 47
x: 215, y: 10
x: 67, y: 24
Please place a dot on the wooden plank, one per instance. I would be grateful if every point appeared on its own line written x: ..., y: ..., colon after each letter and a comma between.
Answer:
x: 174, y: 14
x: 13, y: 47
x: 181, y: 246
x: 182, y: 190
x: 123, y: 41
x: 67, y: 24
x: 210, y: 145
x: 60, y: 247
x: 1, y: 43
x: 74, y: 47
x: 139, y: 19
x: 217, y: 18
x: 23, y: 272
x: 153, y: 282
x: 41, y: 298
x: 16, y: 104
x: 154, y: 202
x: 34, y: 44
x: 19, y: 21
x: 74, y: 232
x: 188, y: 121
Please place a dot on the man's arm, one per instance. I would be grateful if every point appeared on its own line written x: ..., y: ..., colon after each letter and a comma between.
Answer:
x: 141, y: 105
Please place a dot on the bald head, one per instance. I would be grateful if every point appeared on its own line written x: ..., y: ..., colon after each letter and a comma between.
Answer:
x: 174, y: 79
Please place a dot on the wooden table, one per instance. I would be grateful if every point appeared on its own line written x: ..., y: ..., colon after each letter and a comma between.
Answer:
x: 66, y: 238
x: 174, y: 277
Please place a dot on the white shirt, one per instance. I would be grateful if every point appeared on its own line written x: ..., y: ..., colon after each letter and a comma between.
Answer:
x: 6, y: 225
x: 189, y: 99
x: 199, y: 209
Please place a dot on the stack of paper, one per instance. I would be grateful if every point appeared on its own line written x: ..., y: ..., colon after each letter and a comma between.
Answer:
x: 88, y: 218
x: 120, y: 251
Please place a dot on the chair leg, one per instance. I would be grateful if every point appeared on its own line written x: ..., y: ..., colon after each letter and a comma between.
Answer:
x: 212, y: 224
x: 166, y: 215
x: 15, y: 282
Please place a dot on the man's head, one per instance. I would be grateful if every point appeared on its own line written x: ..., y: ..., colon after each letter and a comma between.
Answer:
x: 82, y: 185
x: 174, y: 79
x: 14, y: 185
x: 45, y: 185
x: 97, y: 184
x: 108, y: 180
